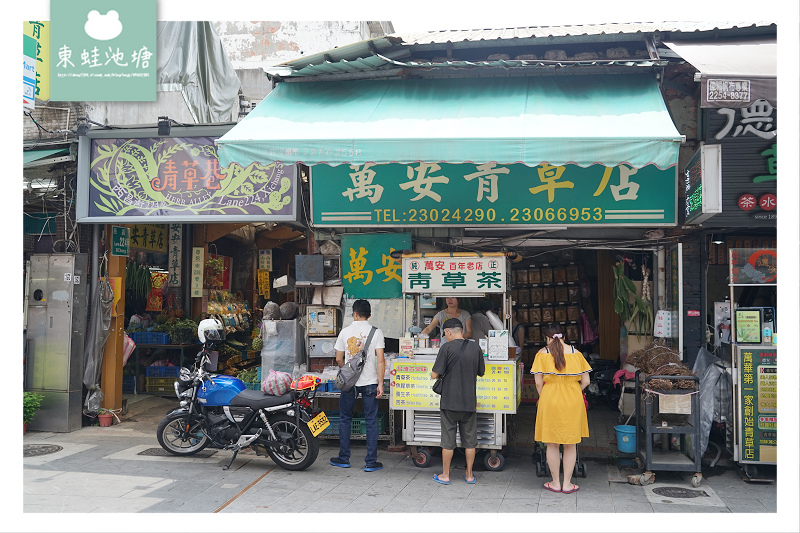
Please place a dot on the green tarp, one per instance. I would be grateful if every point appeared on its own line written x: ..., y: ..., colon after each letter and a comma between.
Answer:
x: 582, y: 120
x: 29, y: 156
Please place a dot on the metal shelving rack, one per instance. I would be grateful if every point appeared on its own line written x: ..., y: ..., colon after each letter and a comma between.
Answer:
x: 666, y: 459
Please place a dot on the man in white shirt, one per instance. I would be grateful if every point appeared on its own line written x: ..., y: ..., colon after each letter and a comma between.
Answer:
x: 370, y: 384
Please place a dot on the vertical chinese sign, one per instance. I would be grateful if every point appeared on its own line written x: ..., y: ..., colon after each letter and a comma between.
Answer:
x: 368, y: 269
x: 175, y: 254
x: 40, y: 31
x: 263, y: 283
x: 265, y: 259
x: 758, y: 404
x: 196, y: 285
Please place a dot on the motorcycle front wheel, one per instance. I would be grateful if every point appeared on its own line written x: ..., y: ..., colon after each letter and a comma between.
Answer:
x: 170, y: 432
x: 298, y: 447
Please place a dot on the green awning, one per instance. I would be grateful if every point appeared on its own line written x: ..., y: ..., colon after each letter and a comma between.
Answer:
x: 29, y: 156
x: 581, y: 120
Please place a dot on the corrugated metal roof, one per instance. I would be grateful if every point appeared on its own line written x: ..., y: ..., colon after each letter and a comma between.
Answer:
x: 536, y: 32
x: 379, y: 62
x: 382, y: 52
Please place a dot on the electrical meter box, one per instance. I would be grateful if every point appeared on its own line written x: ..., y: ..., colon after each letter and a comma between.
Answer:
x: 322, y: 347
x: 321, y: 321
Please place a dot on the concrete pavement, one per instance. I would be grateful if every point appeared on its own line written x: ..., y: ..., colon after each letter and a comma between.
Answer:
x: 121, y: 469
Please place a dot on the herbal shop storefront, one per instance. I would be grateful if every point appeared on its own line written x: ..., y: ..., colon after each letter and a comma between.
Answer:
x: 162, y: 200
x: 495, y: 157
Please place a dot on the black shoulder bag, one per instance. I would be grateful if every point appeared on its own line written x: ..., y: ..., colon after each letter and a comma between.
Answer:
x: 438, y: 384
x: 348, y: 374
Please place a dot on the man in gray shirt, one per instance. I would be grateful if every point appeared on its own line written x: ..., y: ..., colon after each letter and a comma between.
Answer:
x: 480, y: 322
x: 459, y: 363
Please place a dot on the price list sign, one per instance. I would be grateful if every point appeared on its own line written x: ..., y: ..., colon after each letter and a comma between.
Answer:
x: 411, y: 387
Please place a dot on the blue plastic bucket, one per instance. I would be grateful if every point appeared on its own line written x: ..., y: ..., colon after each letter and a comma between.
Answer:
x: 626, y: 438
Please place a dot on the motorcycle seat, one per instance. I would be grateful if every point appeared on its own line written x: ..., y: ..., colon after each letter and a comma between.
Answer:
x: 257, y: 399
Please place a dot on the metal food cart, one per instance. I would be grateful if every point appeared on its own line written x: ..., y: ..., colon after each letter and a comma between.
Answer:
x: 462, y: 275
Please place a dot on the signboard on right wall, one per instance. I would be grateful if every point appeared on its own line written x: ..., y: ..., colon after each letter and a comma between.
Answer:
x: 748, y: 140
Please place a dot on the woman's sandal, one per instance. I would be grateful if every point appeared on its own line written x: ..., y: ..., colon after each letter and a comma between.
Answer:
x: 547, y: 486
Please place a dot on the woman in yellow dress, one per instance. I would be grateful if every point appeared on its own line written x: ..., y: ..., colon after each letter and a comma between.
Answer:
x: 561, y: 373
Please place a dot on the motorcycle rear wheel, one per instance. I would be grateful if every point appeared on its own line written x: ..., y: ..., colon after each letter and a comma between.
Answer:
x: 300, y: 447
x: 169, y: 436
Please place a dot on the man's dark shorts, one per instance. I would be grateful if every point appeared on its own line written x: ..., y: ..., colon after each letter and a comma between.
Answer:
x: 468, y: 425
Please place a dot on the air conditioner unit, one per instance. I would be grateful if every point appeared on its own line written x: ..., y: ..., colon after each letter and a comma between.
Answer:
x: 309, y: 270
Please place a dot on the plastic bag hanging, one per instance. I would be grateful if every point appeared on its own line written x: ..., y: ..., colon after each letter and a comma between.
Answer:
x: 99, y: 331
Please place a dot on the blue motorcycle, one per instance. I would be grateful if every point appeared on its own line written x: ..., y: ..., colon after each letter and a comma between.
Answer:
x: 220, y: 411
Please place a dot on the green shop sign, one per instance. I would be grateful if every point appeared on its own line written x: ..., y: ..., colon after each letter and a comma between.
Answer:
x: 178, y: 179
x: 431, y: 194
x: 368, y: 269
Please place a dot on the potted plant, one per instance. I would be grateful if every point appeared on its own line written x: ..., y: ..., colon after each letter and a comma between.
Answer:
x: 105, y: 417
x: 31, y: 402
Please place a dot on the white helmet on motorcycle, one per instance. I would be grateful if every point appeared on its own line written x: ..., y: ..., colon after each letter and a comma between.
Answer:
x: 210, y: 330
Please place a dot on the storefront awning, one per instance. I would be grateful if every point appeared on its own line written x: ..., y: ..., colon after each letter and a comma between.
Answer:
x: 31, y: 158
x: 581, y: 120
x: 733, y: 74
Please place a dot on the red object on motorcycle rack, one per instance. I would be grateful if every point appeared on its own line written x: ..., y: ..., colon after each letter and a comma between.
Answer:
x: 306, y: 382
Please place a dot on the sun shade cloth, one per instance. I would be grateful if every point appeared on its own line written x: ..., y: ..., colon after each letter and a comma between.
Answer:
x: 581, y: 120
x: 733, y: 74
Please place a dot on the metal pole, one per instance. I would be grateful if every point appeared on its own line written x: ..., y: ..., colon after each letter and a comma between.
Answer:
x: 95, y: 258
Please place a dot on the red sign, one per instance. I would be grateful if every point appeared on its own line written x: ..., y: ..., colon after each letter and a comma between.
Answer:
x: 692, y: 312
x: 747, y: 202
x: 768, y: 202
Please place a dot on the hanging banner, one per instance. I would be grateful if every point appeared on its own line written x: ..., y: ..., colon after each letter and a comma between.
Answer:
x: 198, y: 268
x: 368, y: 269
x: 155, y: 302
x: 432, y: 194
x: 222, y: 281
x: 179, y: 179
x: 175, y: 254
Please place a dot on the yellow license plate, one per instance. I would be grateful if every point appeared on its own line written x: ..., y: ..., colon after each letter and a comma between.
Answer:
x: 318, y: 423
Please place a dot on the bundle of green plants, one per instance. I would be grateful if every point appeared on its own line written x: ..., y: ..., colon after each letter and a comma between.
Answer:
x: 31, y: 402
x: 183, y: 331
x: 248, y: 376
